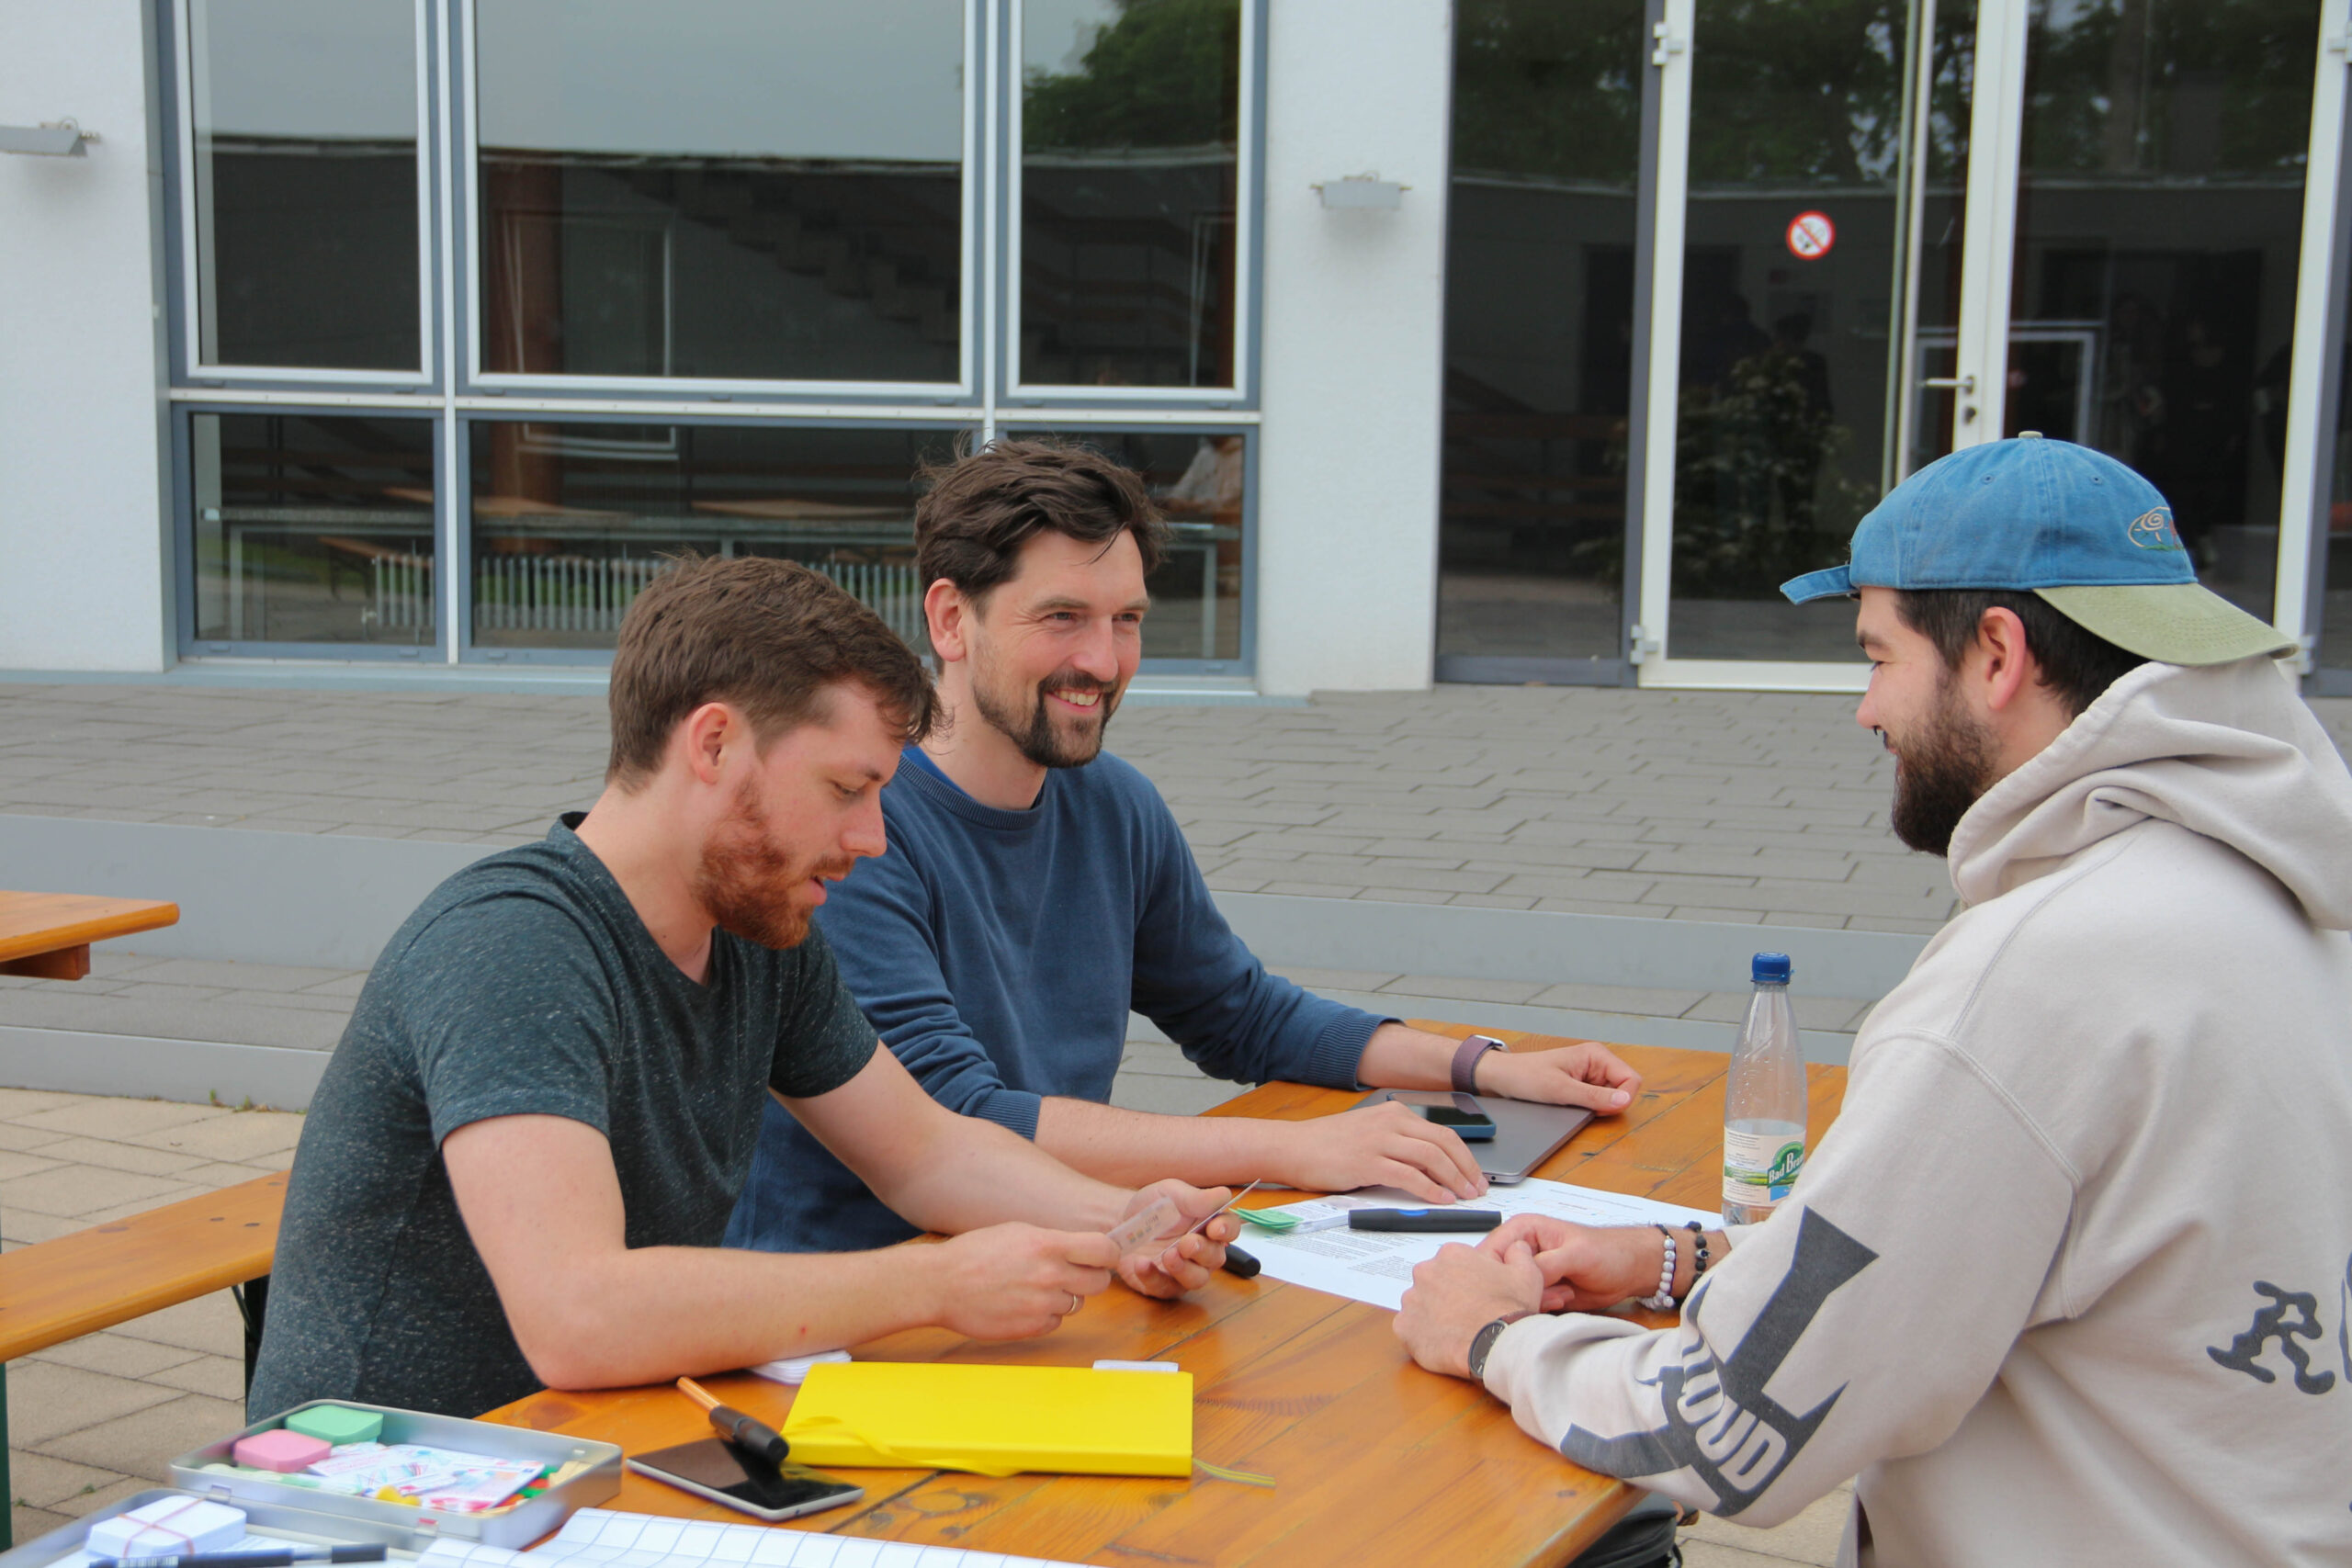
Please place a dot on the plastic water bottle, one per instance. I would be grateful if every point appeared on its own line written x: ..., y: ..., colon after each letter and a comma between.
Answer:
x: 1764, y: 1105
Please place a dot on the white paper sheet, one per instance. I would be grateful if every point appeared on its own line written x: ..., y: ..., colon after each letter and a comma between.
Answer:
x: 599, y: 1537
x: 1376, y: 1267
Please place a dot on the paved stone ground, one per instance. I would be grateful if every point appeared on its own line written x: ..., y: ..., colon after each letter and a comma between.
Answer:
x: 1697, y: 806
x: 100, y: 1418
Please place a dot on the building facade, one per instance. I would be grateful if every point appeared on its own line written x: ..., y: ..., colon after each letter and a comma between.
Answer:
x: 1503, y: 340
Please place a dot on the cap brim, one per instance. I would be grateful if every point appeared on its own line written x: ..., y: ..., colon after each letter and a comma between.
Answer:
x: 1838, y: 583
x: 2173, y: 622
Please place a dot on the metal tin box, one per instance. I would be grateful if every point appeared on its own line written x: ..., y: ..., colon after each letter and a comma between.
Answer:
x: 516, y: 1527
x: 296, y: 1525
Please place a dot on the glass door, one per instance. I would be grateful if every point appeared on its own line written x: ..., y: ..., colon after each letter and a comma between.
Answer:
x: 1819, y: 320
x: 1903, y: 226
x: 2159, y: 228
x: 1539, y: 335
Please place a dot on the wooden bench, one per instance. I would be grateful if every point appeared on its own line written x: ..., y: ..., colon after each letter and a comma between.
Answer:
x: 77, y: 1284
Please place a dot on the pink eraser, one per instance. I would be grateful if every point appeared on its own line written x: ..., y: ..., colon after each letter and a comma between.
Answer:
x: 279, y: 1450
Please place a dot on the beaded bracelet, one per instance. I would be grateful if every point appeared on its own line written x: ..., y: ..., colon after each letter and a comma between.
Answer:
x: 1697, y: 1240
x: 1665, y: 1297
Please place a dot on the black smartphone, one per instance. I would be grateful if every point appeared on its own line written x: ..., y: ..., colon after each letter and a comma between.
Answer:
x: 716, y: 1469
x: 1473, y: 1126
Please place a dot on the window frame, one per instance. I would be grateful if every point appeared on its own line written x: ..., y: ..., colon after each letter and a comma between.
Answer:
x: 183, y: 243
x: 432, y: 651
x: 450, y: 393
x: 464, y: 105
x: 1249, y: 180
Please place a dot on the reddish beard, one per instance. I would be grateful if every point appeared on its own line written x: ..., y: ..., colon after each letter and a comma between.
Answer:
x: 751, y: 886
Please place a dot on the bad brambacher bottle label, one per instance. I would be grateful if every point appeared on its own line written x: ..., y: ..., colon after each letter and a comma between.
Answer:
x: 1760, y: 1167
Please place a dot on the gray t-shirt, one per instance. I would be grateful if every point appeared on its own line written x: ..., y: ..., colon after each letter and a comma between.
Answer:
x: 524, y: 986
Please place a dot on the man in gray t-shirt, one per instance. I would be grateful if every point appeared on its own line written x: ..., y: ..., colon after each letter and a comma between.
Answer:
x: 520, y: 1162
x: 524, y: 986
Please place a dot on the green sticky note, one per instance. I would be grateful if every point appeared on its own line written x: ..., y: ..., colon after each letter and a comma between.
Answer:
x: 336, y: 1424
x: 1268, y: 1219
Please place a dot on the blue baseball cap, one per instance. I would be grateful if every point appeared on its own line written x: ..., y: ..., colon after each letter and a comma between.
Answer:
x: 2072, y: 527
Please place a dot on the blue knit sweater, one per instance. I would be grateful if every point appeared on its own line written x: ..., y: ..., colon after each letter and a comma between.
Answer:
x: 998, y: 954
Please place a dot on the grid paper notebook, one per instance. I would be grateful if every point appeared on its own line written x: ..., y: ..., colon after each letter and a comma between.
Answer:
x: 599, y: 1537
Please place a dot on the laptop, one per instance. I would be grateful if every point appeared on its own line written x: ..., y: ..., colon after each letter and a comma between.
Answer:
x: 1526, y: 1134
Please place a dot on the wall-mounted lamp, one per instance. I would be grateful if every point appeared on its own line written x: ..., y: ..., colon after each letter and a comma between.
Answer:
x: 51, y: 139
x: 1366, y: 190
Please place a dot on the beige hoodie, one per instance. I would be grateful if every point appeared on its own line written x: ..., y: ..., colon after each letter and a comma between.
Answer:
x: 2069, y: 1279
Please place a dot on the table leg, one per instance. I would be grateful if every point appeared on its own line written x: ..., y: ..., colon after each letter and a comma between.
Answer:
x: 252, y: 1305
x: 7, y: 1491
x: 65, y: 964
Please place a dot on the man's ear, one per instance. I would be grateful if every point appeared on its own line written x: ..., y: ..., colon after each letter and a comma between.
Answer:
x: 703, y: 735
x: 2003, y: 667
x: 946, y: 611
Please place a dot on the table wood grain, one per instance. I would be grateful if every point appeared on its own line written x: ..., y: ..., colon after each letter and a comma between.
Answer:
x: 1375, y: 1461
x: 48, y: 935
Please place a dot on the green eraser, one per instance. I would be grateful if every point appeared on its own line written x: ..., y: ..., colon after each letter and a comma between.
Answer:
x: 1268, y: 1219
x: 336, y: 1425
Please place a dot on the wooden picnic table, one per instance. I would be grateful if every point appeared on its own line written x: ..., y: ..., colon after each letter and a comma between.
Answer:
x: 48, y: 935
x: 1376, y: 1460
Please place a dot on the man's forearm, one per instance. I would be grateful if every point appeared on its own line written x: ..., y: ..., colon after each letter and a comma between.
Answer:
x: 975, y: 1173
x: 1398, y: 1057
x: 651, y: 1313
x: 1131, y: 1148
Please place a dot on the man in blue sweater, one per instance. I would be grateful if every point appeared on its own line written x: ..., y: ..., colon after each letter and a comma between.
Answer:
x: 1034, y: 891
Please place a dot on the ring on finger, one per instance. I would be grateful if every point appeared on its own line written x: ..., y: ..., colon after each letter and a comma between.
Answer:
x: 1076, y: 1302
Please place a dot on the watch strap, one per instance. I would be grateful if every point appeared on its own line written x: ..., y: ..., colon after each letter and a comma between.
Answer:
x: 1465, y: 1061
x: 1481, y: 1344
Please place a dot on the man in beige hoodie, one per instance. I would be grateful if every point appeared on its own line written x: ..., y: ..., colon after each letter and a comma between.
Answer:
x: 2069, y: 1279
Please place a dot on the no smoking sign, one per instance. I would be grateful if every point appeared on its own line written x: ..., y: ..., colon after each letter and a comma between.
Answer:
x: 1810, y: 235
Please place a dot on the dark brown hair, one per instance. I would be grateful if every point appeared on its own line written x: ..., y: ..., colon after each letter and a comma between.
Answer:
x: 981, y: 510
x: 2076, y: 665
x: 770, y: 637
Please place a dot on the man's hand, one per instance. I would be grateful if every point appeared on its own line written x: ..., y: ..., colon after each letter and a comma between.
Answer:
x: 1011, y: 1281
x: 1173, y: 1262
x: 1384, y: 1145
x: 1460, y: 1292
x: 1583, y: 1267
x: 1583, y: 1073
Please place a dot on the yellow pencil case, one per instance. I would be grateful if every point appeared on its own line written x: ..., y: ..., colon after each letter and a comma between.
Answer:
x: 993, y: 1420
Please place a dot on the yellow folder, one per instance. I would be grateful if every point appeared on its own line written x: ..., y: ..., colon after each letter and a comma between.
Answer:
x: 993, y: 1420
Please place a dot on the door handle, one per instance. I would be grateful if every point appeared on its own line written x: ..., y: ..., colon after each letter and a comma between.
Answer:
x: 1964, y: 385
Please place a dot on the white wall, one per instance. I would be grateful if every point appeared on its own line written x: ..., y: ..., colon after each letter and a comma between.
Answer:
x: 1354, y: 323
x: 81, y: 461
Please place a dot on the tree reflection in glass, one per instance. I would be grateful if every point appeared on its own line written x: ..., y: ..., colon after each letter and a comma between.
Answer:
x: 1130, y: 166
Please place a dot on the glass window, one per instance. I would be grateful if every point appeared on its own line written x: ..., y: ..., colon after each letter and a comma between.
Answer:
x: 1130, y: 168
x: 1539, y: 327
x: 724, y: 189
x: 571, y: 520
x: 304, y: 151
x: 2159, y: 230
x: 1200, y: 482
x: 1791, y: 303
x: 313, y: 529
x: 2334, y: 626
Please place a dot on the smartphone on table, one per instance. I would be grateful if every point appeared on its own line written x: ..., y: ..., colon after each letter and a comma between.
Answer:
x: 1459, y: 1112
x: 716, y: 1469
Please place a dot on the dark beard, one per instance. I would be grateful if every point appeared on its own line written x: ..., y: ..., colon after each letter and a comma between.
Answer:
x: 746, y: 881
x: 1033, y: 731
x: 1940, y: 774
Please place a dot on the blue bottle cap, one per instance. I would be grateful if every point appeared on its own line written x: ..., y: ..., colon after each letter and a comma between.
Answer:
x: 1771, y: 969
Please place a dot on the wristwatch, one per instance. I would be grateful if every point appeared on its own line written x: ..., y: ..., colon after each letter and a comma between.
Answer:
x: 1465, y: 1061
x: 1481, y: 1344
